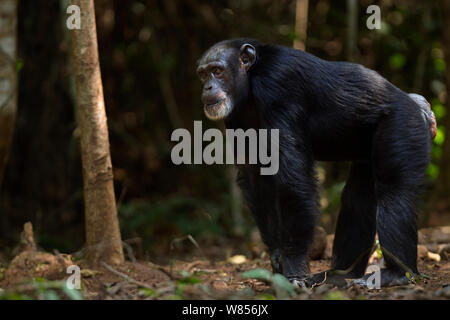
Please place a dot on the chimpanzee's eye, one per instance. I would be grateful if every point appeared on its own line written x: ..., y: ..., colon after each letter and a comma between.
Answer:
x: 217, y: 72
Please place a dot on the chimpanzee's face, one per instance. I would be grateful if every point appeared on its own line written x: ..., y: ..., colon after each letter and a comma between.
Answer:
x: 223, y: 72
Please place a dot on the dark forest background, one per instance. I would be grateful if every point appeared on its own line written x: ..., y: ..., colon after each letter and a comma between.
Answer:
x: 148, y: 51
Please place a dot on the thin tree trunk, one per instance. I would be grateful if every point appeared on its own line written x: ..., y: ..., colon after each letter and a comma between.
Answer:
x: 102, y: 227
x: 301, y: 24
x: 441, y: 193
x: 352, y: 29
x: 8, y: 78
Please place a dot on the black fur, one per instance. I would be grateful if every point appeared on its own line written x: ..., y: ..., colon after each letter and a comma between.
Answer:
x: 333, y: 111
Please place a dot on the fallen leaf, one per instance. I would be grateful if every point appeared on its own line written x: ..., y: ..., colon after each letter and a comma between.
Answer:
x: 434, y: 256
x: 237, y: 259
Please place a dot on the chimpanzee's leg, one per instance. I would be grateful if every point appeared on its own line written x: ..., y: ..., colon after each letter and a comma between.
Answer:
x: 297, y: 210
x: 260, y: 196
x: 355, y: 230
x: 400, y: 158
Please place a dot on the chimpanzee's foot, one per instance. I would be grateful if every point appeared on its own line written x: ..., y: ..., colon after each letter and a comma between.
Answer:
x: 333, y: 277
x: 387, y: 278
x: 293, y: 266
x: 303, y: 282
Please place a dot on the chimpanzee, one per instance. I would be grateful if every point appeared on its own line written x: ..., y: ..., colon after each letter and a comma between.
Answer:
x: 327, y: 111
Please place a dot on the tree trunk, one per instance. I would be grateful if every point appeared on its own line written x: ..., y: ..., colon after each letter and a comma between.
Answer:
x: 8, y: 78
x: 440, y: 200
x: 301, y: 24
x: 102, y: 227
x: 352, y: 30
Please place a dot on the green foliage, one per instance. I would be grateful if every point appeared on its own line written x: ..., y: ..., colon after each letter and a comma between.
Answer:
x: 147, y: 292
x: 260, y: 274
x: 336, y: 295
x: 183, y: 215
x: 440, y: 136
x: 19, y: 64
x: 333, y: 194
x: 432, y: 171
x: 282, y: 287
x: 265, y: 296
x: 397, y: 61
x: 378, y: 249
x: 411, y: 277
x: 42, y: 289
x: 439, y: 65
x: 187, y: 278
x: 438, y: 109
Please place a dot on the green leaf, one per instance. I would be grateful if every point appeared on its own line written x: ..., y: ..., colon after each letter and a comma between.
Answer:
x: 260, y: 274
x: 265, y: 296
x: 147, y: 292
x: 73, y: 294
x: 51, y: 295
x: 410, y: 277
x: 378, y: 249
x: 187, y: 278
x: 282, y: 286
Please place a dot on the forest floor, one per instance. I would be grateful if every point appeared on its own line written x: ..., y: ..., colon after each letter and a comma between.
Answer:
x: 195, y: 279
x: 202, y: 279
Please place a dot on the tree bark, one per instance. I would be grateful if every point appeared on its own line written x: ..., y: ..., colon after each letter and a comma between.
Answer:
x: 8, y: 78
x: 301, y: 24
x: 103, y: 239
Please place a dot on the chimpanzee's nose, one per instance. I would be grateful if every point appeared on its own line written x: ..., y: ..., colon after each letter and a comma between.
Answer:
x: 208, y: 87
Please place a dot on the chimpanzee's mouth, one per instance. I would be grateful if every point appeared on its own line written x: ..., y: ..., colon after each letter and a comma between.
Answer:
x: 211, y: 105
x: 217, y: 110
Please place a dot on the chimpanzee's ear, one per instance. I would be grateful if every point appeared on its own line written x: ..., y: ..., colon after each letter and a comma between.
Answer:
x: 247, y: 55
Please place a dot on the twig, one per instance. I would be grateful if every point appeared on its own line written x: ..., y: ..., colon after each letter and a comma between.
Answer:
x: 167, y: 273
x: 59, y: 257
x: 129, y: 279
x: 191, y: 239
